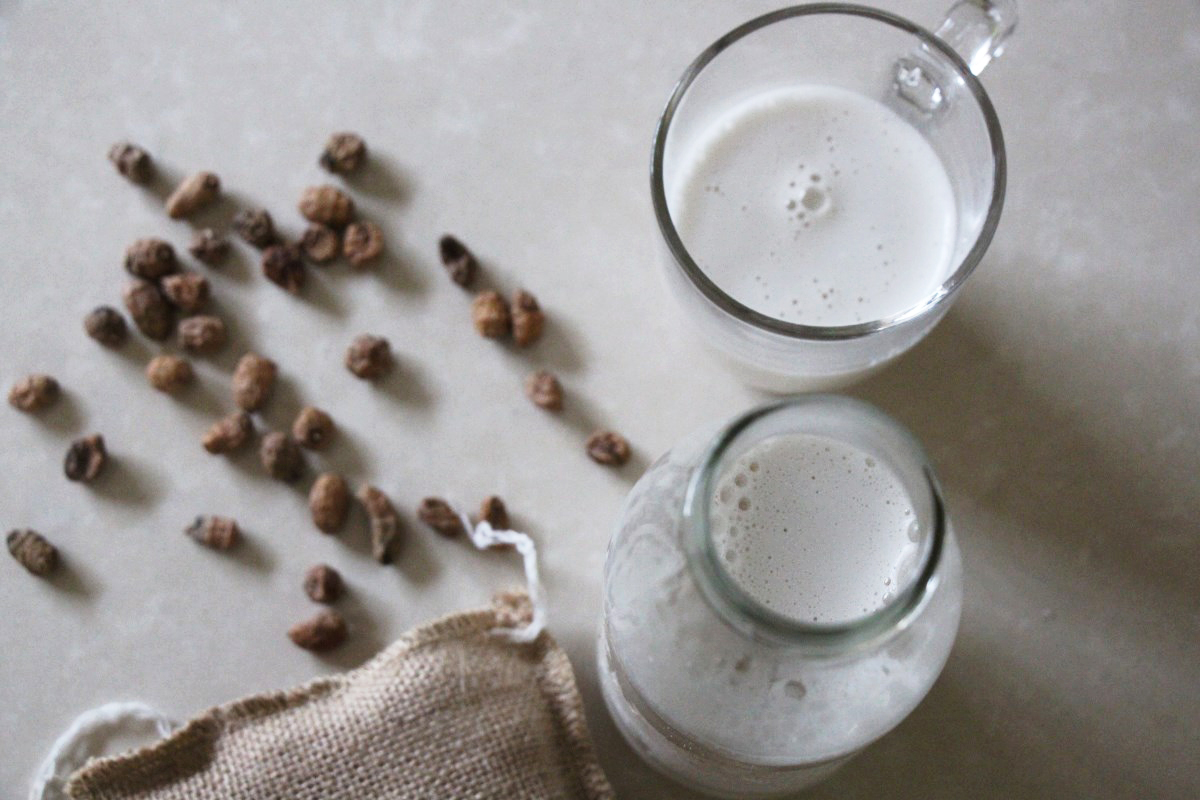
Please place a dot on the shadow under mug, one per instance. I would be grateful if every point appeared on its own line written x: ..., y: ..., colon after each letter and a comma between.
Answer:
x: 927, y: 79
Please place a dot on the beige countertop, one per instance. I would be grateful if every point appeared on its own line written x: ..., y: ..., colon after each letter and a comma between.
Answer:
x: 1059, y: 400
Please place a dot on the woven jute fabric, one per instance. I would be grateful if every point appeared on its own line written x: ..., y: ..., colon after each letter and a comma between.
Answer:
x: 448, y: 711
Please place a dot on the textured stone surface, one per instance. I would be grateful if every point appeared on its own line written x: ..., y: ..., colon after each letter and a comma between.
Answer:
x: 1058, y: 399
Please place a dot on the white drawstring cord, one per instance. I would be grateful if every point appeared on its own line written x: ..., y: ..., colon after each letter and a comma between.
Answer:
x: 483, y: 536
x: 81, y: 741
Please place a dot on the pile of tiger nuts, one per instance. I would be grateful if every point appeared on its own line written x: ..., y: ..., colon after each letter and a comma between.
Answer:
x: 165, y: 300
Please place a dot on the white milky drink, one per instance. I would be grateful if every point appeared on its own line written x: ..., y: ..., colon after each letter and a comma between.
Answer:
x: 816, y: 205
x: 814, y: 529
x: 811, y: 528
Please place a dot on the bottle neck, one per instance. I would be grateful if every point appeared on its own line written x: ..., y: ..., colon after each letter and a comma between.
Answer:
x: 832, y: 418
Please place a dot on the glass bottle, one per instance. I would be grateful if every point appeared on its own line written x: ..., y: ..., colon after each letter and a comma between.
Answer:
x: 721, y: 691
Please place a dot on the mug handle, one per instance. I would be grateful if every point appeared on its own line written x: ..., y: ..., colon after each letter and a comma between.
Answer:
x: 977, y: 29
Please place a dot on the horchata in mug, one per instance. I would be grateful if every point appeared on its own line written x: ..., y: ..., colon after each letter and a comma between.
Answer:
x: 778, y: 594
x: 825, y: 178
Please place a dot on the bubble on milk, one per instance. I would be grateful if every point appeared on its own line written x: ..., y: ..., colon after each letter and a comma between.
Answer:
x: 795, y: 689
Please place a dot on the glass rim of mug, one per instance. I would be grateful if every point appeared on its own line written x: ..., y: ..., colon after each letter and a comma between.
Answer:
x: 725, y: 302
x: 736, y: 606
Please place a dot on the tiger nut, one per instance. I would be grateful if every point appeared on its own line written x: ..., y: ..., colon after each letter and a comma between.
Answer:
x: 106, y: 325
x: 209, y: 247
x: 202, y: 334
x: 527, y: 318
x: 187, y: 291
x: 85, y: 459
x: 344, y: 152
x: 329, y: 501
x: 33, y: 393
x: 312, y: 428
x: 150, y: 259
x: 253, y: 379
x: 281, y: 457
x: 217, y: 533
x: 323, y: 584
x: 327, y: 205
x: 323, y: 631
x: 544, y: 390
x: 150, y: 311
x: 131, y: 161
x: 385, y: 522
x: 32, y: 551
x: 228, y: 433
x: 369, y: 357
x: 169, y: 373
x: 283, y: 265
x: 459, y: 262
x: 437, y: 514
x: 255, y: 226
x: 608, y: 448
x: 195, y: 192
x: 320, y: 243
x: 489, y: 312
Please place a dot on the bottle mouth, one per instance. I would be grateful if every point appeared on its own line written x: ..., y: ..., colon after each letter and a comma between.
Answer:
x: 833, y: 417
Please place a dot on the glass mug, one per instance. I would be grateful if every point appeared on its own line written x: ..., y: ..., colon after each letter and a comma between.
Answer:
x: 708, y: 677
x: 948, y: 183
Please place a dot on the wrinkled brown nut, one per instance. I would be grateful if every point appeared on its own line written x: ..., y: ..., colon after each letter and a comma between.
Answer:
x: 202, y: 334
x: 194, y: 193
x: 281, y: 457
x: 459, y: 262
x: 106, y: 325
x: 131, y: 161
x: 209, y: 247
x: 329, y: 501
x: 324, y: 631
x: 327, y: 205
x: 283, y: 265
x: 255, y: 226
x: 344, y: 152
x: 150, y: 258
x: 385, y: 522
x: 323, y: 584
x: 527, y: 318
x: 85, y: 458
x: 437, y: 514
x: 369, y: 357
x: 493, y: 511
x: 150, y: 311
x: 362, y: 243
x: 169, y: 373
x: 32, y: 551
x: 608, y: 448
x: 489, y: 312
x: 544, y: 390
x: 312, y: 428
x: 33, y: 393
x: 219, y: 533
x: 228, y: 433
x: 187, y: 291
x: 253, y: 379
x: 320, y: 243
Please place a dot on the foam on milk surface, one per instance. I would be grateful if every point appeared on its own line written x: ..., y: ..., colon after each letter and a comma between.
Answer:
x: 817, y: 205
x: 813, y: 528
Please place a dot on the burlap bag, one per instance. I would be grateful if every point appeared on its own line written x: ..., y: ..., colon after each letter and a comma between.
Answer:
x: 448, y: 711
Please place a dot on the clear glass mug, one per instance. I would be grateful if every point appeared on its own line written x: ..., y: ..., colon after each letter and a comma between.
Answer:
x: 928, y: 79
x: 718, y: 690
